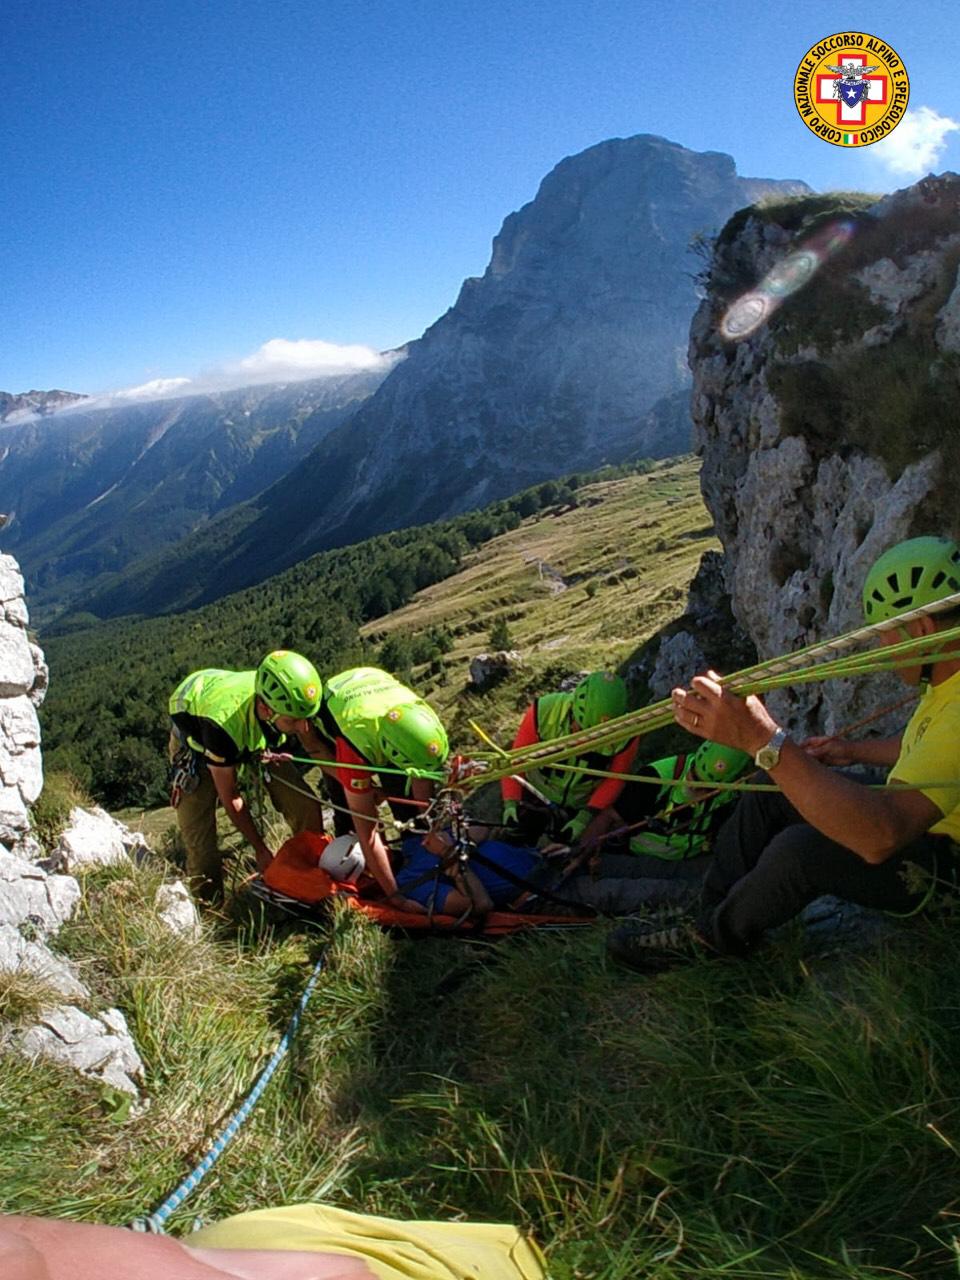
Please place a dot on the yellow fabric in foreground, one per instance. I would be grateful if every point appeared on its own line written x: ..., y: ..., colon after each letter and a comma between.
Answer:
x: 393, y: 1250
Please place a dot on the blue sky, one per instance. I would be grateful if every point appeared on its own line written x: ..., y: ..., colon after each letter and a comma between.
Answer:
x: 184, y: 182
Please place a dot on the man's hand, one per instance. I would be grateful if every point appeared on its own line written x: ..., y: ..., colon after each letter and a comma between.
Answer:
x: 400, y: 903
x: 575, y: 828
x: 710, y: 711
x: 882, y: 753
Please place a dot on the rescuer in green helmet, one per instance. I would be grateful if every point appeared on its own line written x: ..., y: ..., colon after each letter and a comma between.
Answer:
x: 823, y: 832
x: 381, y: 741
x: 574, y: 798
x: 220, y: 721
x: 675, y: 822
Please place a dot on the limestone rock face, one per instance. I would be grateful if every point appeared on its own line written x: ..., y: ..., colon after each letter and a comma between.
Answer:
x: 34, y: 903
x: 829, y: 433
x: 22, y: 684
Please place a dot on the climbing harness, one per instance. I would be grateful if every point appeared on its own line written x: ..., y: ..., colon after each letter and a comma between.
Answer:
x: 184, y: 774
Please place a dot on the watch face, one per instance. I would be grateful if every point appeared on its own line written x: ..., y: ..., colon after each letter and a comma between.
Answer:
x: 768, y: 757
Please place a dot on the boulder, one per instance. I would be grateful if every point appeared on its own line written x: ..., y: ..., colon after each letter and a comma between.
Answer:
x: 97, y: 1046
x: 176, y: 909
x: 93, y: 839
x: 487, y: 669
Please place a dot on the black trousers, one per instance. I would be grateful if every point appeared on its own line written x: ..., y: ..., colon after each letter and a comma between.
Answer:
x: 769, y: 864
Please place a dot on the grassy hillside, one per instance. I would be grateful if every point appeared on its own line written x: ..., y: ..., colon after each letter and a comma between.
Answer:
x: 791, y: 1119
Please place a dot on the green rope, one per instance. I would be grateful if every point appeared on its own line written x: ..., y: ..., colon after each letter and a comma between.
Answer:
x: 411, y: 772
x: 656, y: 781
x: 657, y: 715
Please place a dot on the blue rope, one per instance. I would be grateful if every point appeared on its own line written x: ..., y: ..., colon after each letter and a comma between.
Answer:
x: 154, y: 1222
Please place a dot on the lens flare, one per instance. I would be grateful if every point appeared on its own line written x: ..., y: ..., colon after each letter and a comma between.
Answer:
x: 797, y: 269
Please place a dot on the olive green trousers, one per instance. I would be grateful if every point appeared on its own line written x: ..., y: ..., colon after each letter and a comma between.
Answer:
x: 197, y: 820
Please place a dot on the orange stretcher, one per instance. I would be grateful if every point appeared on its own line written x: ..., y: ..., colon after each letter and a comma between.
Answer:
x: 296, y: 882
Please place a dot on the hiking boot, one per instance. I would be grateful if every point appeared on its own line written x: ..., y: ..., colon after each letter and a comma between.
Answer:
x: 650, y: 946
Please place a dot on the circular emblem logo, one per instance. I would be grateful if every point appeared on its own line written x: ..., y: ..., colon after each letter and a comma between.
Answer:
x: 851, y: 89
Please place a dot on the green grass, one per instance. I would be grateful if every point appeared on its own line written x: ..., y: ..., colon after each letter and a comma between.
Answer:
x: 51, y: 811
x: 797, y: 1117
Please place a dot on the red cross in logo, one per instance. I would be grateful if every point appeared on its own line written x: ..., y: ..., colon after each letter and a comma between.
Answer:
x: 847, y: 115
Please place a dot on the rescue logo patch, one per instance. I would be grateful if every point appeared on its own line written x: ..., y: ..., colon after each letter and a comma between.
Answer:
x: 851, y: 89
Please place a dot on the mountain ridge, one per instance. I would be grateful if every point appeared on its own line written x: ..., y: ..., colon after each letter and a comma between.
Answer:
x: 91, y: 490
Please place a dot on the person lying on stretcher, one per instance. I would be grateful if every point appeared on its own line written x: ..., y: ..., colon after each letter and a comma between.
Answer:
x: 493, y: 875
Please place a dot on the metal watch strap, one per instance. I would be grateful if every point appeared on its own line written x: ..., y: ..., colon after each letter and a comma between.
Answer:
x: 768, y: 757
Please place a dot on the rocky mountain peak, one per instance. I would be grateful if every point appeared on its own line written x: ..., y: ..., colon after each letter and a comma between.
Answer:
x: 35, y: 403
x: 556, y: 358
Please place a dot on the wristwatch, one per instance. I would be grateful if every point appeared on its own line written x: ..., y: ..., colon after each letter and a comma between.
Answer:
x: 768, y: 757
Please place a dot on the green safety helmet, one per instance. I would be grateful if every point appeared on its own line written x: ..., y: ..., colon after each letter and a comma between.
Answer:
x: 712, y: 762
x: 289, y: 684
x: 599, y: 697
x: 913, y: 573
x: 411, y: 735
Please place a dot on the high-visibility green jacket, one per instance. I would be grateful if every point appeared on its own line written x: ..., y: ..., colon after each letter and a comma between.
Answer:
x: 553, y: 713
x: 677, y: 832
x: 228, y: 699
x: 353, y: 703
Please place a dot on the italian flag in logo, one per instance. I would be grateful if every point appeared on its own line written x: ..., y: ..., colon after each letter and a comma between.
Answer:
x: 851, y: 139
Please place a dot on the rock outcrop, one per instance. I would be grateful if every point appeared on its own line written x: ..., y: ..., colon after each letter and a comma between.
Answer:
x: 23, y: 678
x: 830, y: 431
x: 488, y: 669
x: 35, y: 902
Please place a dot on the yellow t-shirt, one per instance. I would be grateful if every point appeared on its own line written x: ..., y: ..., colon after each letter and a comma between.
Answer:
x: 930, y: 752
x: 393, y: 1250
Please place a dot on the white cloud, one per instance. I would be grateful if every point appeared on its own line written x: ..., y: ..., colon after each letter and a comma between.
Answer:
x: 279, y: 360
x: 155, y: 389
x: 284, y: 358
x: 915, y: 146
